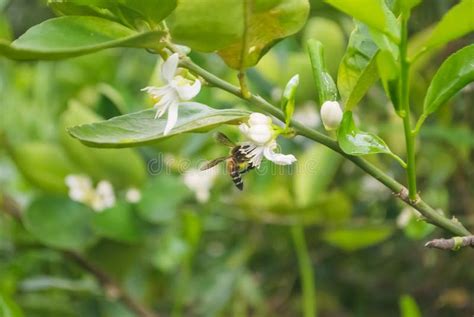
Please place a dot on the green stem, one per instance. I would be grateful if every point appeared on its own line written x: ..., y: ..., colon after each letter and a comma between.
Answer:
x: 405, y: 106
x: 306, y: 271
x: 398, y: 189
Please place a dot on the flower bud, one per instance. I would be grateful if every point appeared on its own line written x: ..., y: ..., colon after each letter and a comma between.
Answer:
x: 258, y: 118
x: 331, y: 115
x: 260, y: 133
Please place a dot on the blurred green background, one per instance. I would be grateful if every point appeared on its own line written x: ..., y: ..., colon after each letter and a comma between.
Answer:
x: 235, y: 254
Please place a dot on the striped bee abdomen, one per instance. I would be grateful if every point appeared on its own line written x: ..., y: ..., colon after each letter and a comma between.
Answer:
x: 235, y: 174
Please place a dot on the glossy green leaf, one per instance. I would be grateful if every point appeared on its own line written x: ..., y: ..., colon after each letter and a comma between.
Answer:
x: 118, y: 223
x: 352, y: 239
x: 8, y: 308
x: 373, y: 13
x: 44, y: 165
x: 241, y: 35
x: 358, y: 70
x: 265, y: 22
x: 60, y: 223
x: 141, y: 127
x: 124, y: 167
x: 408, y: 307
x: 456, y: 72
x: 455, y: 23
x: 75, y: 35
x: 162, y: 197
x: 325, y: 85
x: 355, y: 142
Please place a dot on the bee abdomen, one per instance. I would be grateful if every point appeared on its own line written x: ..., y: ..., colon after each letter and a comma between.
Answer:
x: 237, y: 178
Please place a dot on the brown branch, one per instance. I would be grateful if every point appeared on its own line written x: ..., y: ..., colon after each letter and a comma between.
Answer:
x: 111, y: 287
x: 451, y: 244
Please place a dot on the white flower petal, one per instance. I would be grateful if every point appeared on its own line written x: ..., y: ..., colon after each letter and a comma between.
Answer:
x: 260, y: 134
x: 133, y: 195
x: 169, y: 67
x: 278, y: 158
x: 258, y: 118
x: 172, y: 117
x: 331, y: 115
x: 188, y: 92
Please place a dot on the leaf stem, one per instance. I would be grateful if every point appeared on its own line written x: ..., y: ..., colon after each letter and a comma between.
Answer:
x: 432, y: 216
x: 306, y: 271
x: 405, y: 106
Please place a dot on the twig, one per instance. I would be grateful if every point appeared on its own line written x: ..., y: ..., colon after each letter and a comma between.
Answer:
x: 432, y: 216
x: 111, y: 288
x: 454, y: 244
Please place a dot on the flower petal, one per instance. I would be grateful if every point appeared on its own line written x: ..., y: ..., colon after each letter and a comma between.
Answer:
x: 258, y: 118
x: 188, y: 92
x: 169, y: 67
x: 278, y: 158
x: 172, y: 117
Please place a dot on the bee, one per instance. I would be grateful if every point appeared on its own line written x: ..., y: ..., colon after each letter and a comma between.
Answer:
x: 237, y: 161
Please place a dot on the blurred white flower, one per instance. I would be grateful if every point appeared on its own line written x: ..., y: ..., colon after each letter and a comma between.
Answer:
x: 133, y: 195
x: 308, y: 115
x: 201, y: 182
x: 406, y: 215
x: 261, y: 141
x: 331, y: 115
x: 81, y: 190
x: 176, y: 90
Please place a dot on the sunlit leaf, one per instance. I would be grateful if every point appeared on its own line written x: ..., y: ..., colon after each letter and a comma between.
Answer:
x: 358, y: 70
x: 75, y: 35
x: 373, y: 13
x: 455, y: 23
x: 352, y: 239
x: 456, y: 72
x: 60, y: 223
x: 408, y: 307
x: 241, y: 35
x: 355, y: 142
x: 141, y: 127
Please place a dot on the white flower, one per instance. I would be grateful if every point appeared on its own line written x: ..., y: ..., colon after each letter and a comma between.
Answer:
x: 176, y: 90
x: 261, y: 135
x: 133, y: 195
x: 406, y: 215
x: 331, y: 115
x: 104, y: 196
x: 201, y: 182
x: 81, y: 190
x: 308, y: 115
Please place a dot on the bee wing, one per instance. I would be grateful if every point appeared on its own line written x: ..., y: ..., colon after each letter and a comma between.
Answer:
x: 213, y: 163
x: 223, y: 139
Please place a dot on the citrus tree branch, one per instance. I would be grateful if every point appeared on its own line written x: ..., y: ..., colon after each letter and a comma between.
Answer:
x: 111, y: 287
x: 400, y: 191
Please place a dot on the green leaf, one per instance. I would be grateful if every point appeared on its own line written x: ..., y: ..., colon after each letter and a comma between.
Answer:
x: 265, y: 22
x: 407, y: 5
x: 355, y: 142
x: 8, y: 308
x: 76, y: 35
x: 455, y: 23
x: 170, y: 252
x: 352, y: 239
x: 60, y: 223
x: 389, y: 73
x: 44, y: 165
x: 151, y: 11
x: 241, y: 36
x: 141, y: 127
x: 408, y: 307
x: 456, y: 72
x: 124, y: 167
x: 118, y: 223
x: 288, y: 98
x: 161, y: 198
x: 358, y: 70
x: 325, y: 85
x: 373, y: 13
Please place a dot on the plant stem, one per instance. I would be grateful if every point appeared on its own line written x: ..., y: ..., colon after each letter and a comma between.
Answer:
x: 306, y: 271
x: 405, y: 105
x: 431, y: 215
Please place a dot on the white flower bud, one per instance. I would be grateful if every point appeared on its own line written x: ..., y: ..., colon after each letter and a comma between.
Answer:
x: 260, y: 134
x: 258, y: 118
x: 331, y: 115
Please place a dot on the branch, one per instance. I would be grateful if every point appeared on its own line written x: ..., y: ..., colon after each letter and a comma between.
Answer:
x: 431, y: 215
x: 111, y: 288
x: 454, y: 244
